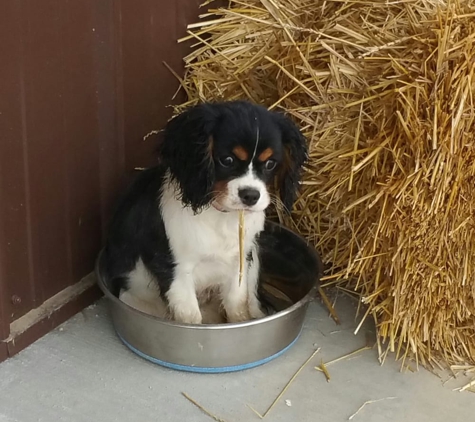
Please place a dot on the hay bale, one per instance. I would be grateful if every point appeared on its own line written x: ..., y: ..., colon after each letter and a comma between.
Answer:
x: 384, y: 91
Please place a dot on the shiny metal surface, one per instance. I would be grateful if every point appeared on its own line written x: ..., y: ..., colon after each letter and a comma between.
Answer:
x: 290, y: 271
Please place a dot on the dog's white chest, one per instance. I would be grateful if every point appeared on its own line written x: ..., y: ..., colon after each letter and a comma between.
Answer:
x: 210, y: 237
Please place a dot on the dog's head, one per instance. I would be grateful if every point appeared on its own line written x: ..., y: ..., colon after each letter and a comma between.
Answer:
x: 227, y: 154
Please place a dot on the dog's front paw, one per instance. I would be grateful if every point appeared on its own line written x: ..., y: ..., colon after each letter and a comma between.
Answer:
x: 187, y: 315
x: 255, y: 308
x: 238, y: 314
x: 183, y: 304
x: 256, y: 312
x: 238, y: 317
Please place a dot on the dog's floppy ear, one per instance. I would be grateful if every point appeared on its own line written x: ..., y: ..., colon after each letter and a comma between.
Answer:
x: 187, y: 150
x: 295, y: 155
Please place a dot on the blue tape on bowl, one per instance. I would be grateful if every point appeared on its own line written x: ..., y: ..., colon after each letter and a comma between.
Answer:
x: 204, y: 370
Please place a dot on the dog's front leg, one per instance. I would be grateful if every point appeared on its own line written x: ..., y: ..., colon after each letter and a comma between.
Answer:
x: 253, y: 284
x: 235, y: 298
x: 182, y: 298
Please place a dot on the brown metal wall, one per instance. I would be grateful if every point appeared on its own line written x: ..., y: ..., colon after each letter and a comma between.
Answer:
x: 81, y: 83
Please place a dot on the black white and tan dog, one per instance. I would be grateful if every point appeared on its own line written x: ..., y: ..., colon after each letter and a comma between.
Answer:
x: 174, y: 236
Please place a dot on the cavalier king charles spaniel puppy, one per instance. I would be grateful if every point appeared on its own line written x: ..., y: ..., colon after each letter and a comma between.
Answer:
x: 174, y: 236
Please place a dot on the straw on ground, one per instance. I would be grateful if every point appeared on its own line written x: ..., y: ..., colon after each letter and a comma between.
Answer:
x: 369, y: 402
x: 204, y: 410
x: 285, y: 388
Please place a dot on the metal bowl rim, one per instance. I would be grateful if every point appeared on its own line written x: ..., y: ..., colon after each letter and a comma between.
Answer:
x: 297, y: 305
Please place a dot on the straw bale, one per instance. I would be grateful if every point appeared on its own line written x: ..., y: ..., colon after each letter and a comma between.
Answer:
x: 384, y: 91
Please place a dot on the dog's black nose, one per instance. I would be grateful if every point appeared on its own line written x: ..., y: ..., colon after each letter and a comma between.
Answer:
x: 249, y: 196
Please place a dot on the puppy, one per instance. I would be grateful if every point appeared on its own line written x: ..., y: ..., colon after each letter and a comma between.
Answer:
x: 174, y: 235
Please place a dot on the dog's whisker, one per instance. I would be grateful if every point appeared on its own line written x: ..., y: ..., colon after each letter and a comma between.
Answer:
x: 278, y: 202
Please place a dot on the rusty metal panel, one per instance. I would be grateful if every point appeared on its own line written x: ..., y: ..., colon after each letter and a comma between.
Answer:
x: 4, y: 317
x: 107, y: 55
x: 52, y: 145
x: 15, y: 248
x: 82, y: 159
x: 150, y: 30
x: 83, y: 83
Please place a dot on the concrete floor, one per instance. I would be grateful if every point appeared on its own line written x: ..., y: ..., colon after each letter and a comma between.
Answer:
x: 82, y: 373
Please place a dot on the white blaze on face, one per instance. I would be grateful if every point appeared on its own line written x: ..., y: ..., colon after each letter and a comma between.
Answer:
x: 232, y: 201
x: 257, y: 142
x: 249, y: 180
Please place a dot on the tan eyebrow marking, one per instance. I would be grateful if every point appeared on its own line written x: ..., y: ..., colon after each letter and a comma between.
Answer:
x: 240, y: 153
x: 265, y: 155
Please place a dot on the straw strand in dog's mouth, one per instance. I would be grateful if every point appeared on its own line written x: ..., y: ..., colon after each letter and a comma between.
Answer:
x: 241, y: 245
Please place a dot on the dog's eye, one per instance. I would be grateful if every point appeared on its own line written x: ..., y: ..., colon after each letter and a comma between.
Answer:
x: 226, y: 161
x: 270, y: 165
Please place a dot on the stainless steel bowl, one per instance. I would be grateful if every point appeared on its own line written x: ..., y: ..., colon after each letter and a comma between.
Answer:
x: 290, y: 270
